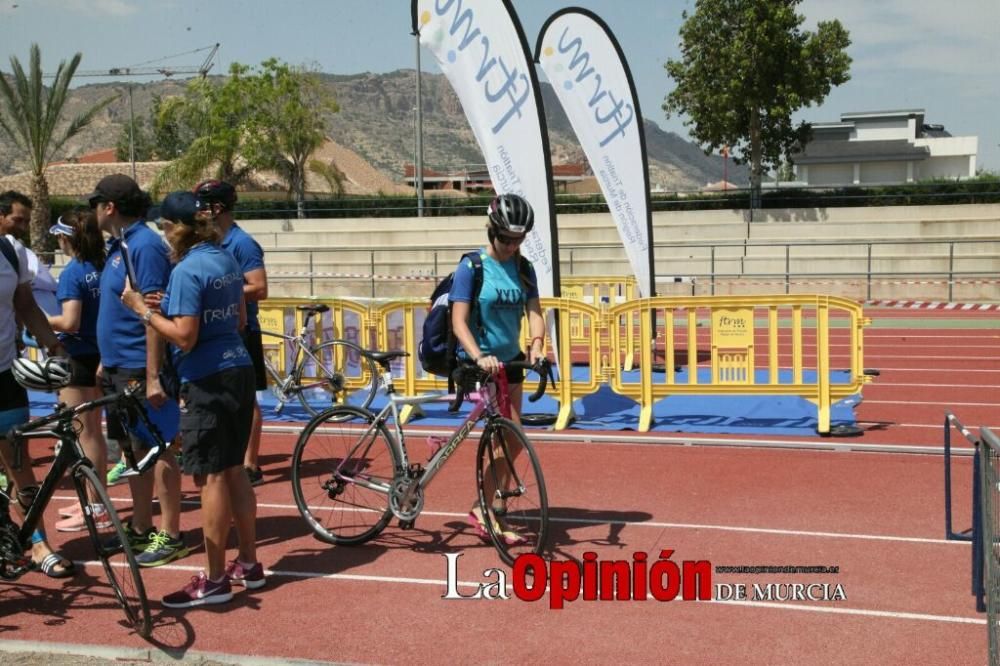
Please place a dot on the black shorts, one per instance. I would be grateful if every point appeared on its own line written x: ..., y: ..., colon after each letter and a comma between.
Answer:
x: 255, y: 347
x: 114, y: 380
x: 216, y: 414
x: 515, y: 375
x: 13, y: 403
x: 83, y: 370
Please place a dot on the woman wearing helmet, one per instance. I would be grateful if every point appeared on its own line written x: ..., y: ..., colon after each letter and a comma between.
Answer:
x: 509, y: 289
x: 17, y: 300
x: 79, y: 296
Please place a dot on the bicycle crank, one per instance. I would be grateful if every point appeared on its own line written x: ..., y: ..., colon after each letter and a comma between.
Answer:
x: 406, y: 503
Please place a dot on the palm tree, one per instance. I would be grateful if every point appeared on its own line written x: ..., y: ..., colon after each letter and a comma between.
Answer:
x: 31, y: 114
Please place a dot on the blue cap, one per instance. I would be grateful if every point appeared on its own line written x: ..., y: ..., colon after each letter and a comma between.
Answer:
x: 180, y: 206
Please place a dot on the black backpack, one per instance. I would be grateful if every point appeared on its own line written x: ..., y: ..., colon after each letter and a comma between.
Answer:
x: 437, y: 348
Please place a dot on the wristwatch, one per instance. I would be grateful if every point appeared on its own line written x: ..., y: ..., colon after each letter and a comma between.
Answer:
x: 147, y: 317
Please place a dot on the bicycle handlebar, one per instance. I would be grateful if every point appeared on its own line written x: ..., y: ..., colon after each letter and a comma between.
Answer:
x: 469, y: 369
x: 125, y: 399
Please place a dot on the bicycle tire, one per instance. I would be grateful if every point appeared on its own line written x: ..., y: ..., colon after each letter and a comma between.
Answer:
x: 338, y: 511
x: 108, y: 534
x: 342, y: 361
x: 525, y: 511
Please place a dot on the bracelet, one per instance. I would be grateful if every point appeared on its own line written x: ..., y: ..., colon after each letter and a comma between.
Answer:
x: 539, y: 338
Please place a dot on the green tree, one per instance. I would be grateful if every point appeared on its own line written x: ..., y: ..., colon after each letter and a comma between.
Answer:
x: 293, y: 104
x: 31, y: 115
x: 212, y: 124
x: 746, y: 66
x: 268, y: 119
x: 143, y: 139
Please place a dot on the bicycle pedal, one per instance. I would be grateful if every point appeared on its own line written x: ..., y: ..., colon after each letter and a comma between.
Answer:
x: 406, y: 524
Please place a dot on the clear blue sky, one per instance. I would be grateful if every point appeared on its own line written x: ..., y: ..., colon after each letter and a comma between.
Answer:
x: 907, y: 53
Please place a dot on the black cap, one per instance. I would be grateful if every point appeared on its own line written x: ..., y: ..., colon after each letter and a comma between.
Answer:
x: 180, y: 206
x: 117, y: 188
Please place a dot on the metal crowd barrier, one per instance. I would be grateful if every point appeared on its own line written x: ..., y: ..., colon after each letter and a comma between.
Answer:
x: 708, y: 345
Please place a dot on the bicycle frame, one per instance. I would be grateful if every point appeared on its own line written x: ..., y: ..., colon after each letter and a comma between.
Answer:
x: 70, y: 457
x: 484, y: 402
x: 301, y: 354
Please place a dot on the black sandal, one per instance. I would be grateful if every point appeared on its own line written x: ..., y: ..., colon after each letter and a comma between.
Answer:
x: 54, y: 566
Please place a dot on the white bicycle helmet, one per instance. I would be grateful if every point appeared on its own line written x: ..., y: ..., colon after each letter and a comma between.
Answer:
x: 49, y: 375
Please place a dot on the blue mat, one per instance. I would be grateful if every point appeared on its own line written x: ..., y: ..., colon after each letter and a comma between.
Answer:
x: 609, y: 411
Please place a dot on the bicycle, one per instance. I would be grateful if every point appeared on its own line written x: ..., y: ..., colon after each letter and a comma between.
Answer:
x: 107, y: 533
x: 332, y: 360
x: 350, y: 475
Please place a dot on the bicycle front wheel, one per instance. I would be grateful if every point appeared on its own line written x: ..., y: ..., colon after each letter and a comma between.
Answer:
x: 343, y: 468
x: 108, y: 534
x: 335, y: 373
x: 512, y: 495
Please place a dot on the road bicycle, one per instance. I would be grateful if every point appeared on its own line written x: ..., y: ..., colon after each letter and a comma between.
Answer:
x: 107, y: 533
x: 351, y: 475
x: 321, y: 375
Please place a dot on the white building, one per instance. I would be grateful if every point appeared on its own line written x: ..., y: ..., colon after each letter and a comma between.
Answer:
x: 883, y: 148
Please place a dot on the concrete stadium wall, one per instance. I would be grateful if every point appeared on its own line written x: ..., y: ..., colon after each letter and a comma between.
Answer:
x: 421, y: 247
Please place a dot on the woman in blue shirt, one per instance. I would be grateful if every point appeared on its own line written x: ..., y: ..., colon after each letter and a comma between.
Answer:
x: 79, y: 297
x: 201, y: 315
x: 509, y: 290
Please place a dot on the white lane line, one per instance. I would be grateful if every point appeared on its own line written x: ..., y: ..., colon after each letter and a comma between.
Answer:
x: 894, y: 615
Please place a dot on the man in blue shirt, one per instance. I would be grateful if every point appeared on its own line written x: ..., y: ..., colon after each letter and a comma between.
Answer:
x: 219, y: 197
x: 132, y: 352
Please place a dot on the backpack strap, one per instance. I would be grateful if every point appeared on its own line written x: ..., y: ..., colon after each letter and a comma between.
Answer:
x: 477, y: 285
x: 11, y: 254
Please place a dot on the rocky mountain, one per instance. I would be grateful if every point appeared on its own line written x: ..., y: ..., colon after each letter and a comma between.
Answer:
x: 377, y: 121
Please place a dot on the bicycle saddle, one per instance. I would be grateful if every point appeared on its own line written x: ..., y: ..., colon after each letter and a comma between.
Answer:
x: 317, y: 308
x: 382, y: 358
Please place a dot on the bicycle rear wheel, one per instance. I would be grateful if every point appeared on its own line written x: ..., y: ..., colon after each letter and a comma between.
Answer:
x: 108, y: 534
x: 342, y: 472
x: 342, y: 376
x: 512, y: 494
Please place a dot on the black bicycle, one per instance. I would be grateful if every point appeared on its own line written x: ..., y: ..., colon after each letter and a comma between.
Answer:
x: 103, y: 524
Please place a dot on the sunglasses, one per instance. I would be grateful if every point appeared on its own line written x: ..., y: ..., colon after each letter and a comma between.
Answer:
x: 510, y: 240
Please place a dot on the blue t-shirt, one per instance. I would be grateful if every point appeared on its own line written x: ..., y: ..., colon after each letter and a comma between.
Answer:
x: 250, y: 256
x: 80, y: 281
x: 501, y: 303
x: 121, y: 335
x: 207, y: 283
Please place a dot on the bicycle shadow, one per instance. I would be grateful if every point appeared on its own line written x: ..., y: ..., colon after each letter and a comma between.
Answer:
x: 80, y: 594
x: 565, y: 523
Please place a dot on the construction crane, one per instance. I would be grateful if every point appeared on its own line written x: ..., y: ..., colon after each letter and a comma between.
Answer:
x: 149, y: 69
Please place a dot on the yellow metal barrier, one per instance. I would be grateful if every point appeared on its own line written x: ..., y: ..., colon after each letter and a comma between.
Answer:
x: 598, y: 291
x: 732, y: 342
x: 746, y: 341
x: 586, y: 350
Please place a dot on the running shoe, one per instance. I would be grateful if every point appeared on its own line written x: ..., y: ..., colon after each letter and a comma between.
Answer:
x: 116, y: 472
x: 77, y: 523
x: 251, y: 578
x: 256, y: 475
x: 162, y: 549
x: 200, y: 592
x: 137, y: 541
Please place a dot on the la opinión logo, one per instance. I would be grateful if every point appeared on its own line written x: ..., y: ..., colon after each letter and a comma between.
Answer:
x: 638, y: 579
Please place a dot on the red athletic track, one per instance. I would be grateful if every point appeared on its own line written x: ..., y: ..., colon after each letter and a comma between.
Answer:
x: 878, y: 516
